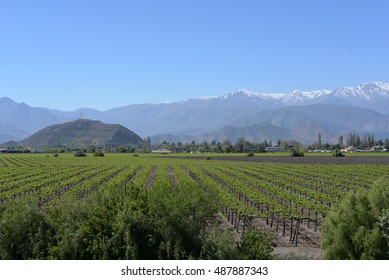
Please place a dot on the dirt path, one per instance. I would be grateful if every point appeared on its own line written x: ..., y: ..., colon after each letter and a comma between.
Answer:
x: 172, y: 176
x: 151, y: 177
x: 297, y: 253
x: 300, y: 160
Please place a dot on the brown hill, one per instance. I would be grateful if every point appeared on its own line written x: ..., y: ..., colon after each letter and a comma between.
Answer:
x: 82, y: 133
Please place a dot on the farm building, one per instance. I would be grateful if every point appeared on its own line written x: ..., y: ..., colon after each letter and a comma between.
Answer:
x: 161, y: 151
x: 348, y: 150
x: 272, y: 149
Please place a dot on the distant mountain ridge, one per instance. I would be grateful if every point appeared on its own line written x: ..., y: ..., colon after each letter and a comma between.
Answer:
x: 300, y: 112
x: 301, y: 123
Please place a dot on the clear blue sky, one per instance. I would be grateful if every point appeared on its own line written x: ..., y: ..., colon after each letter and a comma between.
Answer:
x: 103, y: 54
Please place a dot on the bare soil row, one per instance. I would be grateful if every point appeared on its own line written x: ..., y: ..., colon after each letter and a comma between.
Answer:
x: 313, y: 160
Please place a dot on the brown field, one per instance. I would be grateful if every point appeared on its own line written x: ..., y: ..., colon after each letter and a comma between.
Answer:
x: 314, y: 160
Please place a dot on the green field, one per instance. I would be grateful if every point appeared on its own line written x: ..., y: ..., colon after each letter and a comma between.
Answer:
x: 291, y: 199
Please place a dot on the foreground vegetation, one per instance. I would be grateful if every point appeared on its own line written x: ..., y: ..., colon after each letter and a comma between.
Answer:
x: 145, y: 207
x: 124, y: 223
x: 358, y: 227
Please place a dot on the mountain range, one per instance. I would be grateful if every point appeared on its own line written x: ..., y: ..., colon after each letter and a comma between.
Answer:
x: 297, y: 115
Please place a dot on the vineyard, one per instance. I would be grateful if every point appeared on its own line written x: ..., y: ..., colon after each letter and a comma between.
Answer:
x: 290, y: 199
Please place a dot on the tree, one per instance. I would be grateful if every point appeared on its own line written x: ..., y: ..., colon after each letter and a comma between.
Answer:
x: 239, y: 145
x: 386, y: 142
x: 319, y: 140
x: 355, y: 228
x: 340, y: 141
x: 227, y: 146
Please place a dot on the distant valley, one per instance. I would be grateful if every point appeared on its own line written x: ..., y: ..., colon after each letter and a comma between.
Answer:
x: 256, y: 116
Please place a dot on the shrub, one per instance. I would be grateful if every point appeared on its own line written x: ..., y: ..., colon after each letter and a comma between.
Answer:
x: 99, y: 154
x: 356, y: 228
x: 25, y: 232
x: 251, y: 154
x: 79, y: 153
x: 219, y: 244
x: 296, y: 153
x: 257, y: 244
x: 338, y: 153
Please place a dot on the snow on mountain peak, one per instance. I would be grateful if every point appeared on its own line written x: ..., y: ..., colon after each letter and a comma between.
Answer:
x: 379, y: 84
x: 246, y: 93
x: 297, y: 96
x: 351, y: 93
x: 249, y: 93
x: 241, y: 92
x: 364, y: 92
x: 379, y: 88
x: 383, y: 85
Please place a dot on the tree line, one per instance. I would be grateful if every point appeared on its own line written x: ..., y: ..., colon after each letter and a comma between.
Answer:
x: 242, y: 145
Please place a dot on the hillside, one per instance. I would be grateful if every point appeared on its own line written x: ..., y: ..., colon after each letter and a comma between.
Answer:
x: 8, y: 132
x: 82, y: 133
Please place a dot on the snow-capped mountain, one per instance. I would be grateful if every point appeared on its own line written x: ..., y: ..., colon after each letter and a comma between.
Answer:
x: 377, y: 88
x: 373, y: 95
x: 302, y: 97
x: 244, y: 93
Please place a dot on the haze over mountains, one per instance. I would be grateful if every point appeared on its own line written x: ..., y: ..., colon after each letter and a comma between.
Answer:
x: 297, y: 115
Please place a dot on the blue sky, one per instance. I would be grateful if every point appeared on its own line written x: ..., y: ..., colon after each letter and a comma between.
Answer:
x: 104, y: 54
